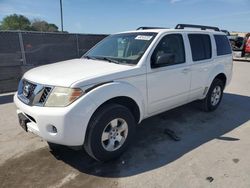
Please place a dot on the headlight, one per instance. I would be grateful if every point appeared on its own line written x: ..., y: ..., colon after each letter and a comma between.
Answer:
x: 61, y: 96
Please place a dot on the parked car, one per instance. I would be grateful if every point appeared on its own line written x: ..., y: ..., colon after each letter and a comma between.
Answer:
x: 246, y: 44
x: 237, y: 43
x: 247, y: 49
x: 98, y: 100
x: 240, y: 45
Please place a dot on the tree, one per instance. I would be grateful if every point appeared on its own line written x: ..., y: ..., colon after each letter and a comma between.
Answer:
x: 20, y: 22
x: 52, y: 28
x: 41, y: 25
x: 15, y: 22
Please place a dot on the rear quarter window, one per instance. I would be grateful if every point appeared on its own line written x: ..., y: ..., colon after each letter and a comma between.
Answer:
x: 222, y: 45
x: 200, y: 46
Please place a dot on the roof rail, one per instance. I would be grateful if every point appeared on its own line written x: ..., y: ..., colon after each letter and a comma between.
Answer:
x: 145, y: 28
x: 226, y: 32
x: 202, y: 27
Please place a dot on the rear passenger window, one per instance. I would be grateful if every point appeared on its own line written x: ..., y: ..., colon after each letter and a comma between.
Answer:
x: 200, y: 46
x: 222, y: 45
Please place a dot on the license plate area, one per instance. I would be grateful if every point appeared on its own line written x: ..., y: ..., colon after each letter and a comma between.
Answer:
x: 23, y: 120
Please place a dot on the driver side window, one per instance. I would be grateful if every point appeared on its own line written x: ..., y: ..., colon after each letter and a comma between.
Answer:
x: 169, y: 51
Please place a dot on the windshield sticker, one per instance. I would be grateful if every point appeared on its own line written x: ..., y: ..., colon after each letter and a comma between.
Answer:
x: 143, y: 37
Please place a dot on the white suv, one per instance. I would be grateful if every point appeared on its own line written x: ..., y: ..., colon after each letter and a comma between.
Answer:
x: 97, y: 101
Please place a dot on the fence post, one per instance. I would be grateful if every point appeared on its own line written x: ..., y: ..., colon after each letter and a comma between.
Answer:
x: 77, y: 45
x: 22, y: 48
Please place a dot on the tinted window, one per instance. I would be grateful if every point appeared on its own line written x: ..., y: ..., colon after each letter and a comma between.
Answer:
x: 171, y: 45
x: 222, y: 44
x: 200, y: 46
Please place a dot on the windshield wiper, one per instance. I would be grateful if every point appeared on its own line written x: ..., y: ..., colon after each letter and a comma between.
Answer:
x: 110, y: 60
x: 90, y: 57
x: 101, y: 58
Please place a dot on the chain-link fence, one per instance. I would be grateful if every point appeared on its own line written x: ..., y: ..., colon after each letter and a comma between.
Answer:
x: 20, y: 51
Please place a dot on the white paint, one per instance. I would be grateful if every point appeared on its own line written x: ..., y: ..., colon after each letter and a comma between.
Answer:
x: 154, y: 90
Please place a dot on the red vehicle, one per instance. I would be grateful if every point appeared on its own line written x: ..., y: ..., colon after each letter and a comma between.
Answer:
x: 247, y: 48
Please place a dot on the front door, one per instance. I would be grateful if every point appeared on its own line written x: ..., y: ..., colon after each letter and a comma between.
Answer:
x: 168, y: 83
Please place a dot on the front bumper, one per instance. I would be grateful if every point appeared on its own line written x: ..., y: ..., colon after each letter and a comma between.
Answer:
x: 71, y: 121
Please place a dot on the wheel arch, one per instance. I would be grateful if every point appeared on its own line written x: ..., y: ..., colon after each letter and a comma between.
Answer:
x: 124, y: 101
x: 222, y: 77
x: 218, y: 72
x: 121, y: 93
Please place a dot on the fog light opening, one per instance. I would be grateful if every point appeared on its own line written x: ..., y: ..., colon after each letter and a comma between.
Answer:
x: 52, y: 129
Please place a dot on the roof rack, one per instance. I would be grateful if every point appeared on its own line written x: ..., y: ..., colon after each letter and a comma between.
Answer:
x: 202, y: 27
x: 226, y: 32
x: 145, y: 28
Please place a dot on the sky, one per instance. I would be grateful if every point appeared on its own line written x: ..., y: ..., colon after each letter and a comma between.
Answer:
x: 111, y: 16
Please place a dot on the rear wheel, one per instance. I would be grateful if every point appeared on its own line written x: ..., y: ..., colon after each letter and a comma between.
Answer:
x: 214, y: 96
x: 109, y: 133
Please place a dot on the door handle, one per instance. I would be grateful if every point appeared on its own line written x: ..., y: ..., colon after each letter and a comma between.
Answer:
x: 185, y: 70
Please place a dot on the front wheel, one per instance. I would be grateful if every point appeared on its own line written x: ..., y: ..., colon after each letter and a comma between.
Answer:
x: 214, y: 96
x: 109, y: 133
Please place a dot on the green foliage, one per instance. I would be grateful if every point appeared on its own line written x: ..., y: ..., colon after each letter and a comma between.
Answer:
x: 20, y: 22
x: 15, y: 22
x: 40, y: 25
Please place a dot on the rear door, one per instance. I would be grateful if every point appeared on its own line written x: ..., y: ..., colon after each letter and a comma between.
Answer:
x: 202, y: 62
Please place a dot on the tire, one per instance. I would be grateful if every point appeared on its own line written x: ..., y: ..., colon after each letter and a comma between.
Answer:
x: 109, y: 120
x: 209, y: 103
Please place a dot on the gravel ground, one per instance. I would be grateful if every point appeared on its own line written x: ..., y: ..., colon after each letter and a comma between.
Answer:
x: 213, y: 151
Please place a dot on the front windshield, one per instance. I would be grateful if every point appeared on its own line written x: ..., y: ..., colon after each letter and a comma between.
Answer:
x: 125, y: 48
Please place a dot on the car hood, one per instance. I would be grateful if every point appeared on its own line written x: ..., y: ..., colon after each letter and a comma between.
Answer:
x: 68, y: 72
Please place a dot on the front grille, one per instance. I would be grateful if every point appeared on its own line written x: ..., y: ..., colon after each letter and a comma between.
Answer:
x: 45, y: 95
x: 33, y: 93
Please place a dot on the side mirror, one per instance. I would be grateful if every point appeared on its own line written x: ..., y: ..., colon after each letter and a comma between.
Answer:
x: 164, y: 59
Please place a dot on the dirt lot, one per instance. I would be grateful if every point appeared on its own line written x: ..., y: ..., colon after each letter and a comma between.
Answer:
x: 213, y: 151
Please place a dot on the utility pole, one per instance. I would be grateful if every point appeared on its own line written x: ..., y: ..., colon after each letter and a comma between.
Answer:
x: 61, y: 15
